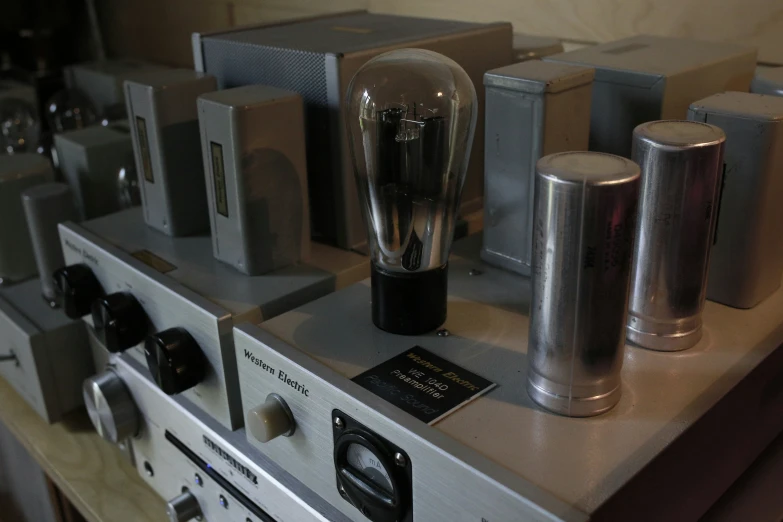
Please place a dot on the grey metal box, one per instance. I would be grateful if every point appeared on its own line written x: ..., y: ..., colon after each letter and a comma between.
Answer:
x: 768, y: 80
x: 90, y: 160
x: 179, y: 283
x: 52, y: 353
x: 253, y: 143
x: 647, y: 78
x: 227, y: 454
x: 499, y: 457
x: 533, y: 109
x: 162, y: 110
x: 17, y: 173
x: 317, y: 58
x: 746, y: 261
x: 101, y: 81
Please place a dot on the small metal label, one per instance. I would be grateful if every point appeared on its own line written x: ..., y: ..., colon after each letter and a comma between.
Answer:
x: 144, y: 147
x: 153, y: 261
x: 219, y: 177
x: 423, y: 384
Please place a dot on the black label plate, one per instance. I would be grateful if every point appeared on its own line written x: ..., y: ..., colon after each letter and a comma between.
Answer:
x: 423, y: 384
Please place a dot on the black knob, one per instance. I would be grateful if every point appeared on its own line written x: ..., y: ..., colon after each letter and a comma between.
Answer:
x: 119, y: 321
x: 175, y: 360
x: 77, y: 288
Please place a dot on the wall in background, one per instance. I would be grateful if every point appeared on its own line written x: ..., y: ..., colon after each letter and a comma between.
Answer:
x: 160, y: 30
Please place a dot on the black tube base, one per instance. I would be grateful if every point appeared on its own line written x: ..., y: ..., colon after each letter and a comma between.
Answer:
x: 409, y: 303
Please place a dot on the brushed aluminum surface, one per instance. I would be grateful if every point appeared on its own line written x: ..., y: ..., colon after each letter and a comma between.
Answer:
x: 317, y: 57
x: 52, y: 354
x: 532, y: 110
x: 198, y: 292
x: 253, y: 144
x: 584, y: 223
x: 166, y: 143
x: 648, y: 77
x: 500, y: 457
x: 746, y: 261
x: 266, y: 484
x: 682, y: 166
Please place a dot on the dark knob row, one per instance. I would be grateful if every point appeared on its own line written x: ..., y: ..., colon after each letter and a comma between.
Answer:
x: 173, y: 357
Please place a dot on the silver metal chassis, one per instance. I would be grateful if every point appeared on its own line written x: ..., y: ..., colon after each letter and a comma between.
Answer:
x: 263, y: 482
x: 201, y: 294
x: 500, y: 457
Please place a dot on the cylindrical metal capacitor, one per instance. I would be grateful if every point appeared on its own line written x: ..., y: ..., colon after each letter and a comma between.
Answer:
x: 583, y: 228
x: 682, y: 165
x: 46, y: 206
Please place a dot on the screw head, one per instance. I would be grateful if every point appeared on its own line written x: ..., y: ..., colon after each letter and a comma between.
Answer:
x: 338, y: 423
x: 199, y: 481
x: 475, y: 272
x: 400, y: 460
x: 443, y: 333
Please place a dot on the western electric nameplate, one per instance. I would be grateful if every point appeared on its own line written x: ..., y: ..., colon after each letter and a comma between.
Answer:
x: 424, y: 385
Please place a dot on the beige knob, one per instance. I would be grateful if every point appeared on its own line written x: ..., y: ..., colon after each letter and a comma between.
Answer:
x: 271, y: 419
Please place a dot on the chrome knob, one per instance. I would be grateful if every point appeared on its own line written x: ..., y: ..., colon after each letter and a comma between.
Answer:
x: 183, y: 507
x: 111, y: 407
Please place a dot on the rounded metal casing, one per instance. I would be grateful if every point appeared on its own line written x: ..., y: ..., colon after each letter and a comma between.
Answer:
x: 583, y: 224
x: 111, y: 407
x: 682, y: 165
x: 45, y: 206
x: 183, y: 508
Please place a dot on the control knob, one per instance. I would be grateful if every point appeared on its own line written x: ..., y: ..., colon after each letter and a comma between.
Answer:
x: 77, y: 287
x: 175, y: 360
x: 271, y: 419
x: 119, y: 320
x: 111, y: 407
x: 183, y: 507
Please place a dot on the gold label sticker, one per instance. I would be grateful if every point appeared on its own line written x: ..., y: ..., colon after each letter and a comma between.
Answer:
x: 144, y: 146
x: 219, y: 178
x: 355, y: 30
x: 154, y: 261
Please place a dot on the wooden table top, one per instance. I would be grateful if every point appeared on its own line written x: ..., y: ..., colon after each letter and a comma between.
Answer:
x: 90, y: 472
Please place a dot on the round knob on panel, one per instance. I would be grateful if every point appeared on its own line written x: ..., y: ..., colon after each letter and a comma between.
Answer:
x: 119, y: 320
x: 271, y: 419
x: 175, y: 360
x: 77, y: 287
x: 111, y: 407
x: 183, y: 507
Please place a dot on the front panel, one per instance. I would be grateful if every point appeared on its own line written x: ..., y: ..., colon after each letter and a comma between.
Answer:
x: 167, y: 304
x: 179, y: 448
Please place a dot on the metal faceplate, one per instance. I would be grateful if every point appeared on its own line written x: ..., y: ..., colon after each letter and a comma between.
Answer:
x: 500, y: 457
x: 167, y: 468
x: 179, y: 284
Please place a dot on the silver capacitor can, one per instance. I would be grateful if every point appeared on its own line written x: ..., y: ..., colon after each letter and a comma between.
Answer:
x: 583, y: 235
x: 682, y: 166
